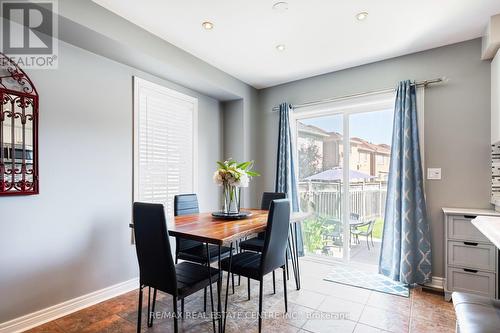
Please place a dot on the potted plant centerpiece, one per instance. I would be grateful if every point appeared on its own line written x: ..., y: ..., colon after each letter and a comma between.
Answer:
x: 232, y: 176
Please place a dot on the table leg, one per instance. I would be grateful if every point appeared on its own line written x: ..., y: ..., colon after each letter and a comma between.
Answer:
x: 295, y: 257
x: 227, y: 286
x: 219, y: 285
x: 292, y: 254
x: 297, y: 254
x: 210, y: 281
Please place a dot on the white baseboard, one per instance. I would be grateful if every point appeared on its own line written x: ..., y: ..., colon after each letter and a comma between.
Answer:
x: 59, y: 310
x: 437, y: 282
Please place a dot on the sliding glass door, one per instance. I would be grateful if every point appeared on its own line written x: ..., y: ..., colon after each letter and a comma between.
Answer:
x: 343, y: 154
x: 320, y: 181
x: 369, y: 158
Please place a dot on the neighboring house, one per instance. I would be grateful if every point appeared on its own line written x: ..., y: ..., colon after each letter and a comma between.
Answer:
x: 370, y: 158
x: 366, y: 157
x: 313, y: 136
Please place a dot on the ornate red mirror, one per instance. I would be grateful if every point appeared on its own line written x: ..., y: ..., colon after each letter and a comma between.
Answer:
x: 18, y: 131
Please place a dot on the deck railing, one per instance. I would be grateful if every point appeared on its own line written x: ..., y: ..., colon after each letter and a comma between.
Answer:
x: 365, y: 199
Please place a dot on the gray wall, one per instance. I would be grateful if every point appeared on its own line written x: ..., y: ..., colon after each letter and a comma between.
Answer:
x: 233, y: 127
x: 74, y: 238
x: 457, y: 123
x: 238, y: 142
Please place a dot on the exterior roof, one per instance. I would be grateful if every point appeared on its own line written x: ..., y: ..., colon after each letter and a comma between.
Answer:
x: 310, y: 129
x: 337, y: 174
x: 368, y: 146
x: 335, y: 136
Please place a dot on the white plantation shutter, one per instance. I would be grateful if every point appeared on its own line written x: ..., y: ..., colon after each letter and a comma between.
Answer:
x: 165, y: 138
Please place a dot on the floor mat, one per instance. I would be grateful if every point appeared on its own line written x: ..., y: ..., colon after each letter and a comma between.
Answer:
x: 351, y: 276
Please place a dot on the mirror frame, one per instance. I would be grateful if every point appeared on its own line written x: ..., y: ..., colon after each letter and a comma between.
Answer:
x: 17, y: 89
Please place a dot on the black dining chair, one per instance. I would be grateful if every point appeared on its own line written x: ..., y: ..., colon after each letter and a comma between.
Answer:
x: 190, y: 250
x: 254, y: 265
x: 186, y: 204
x: 156, y: 265
x: 256, y: 244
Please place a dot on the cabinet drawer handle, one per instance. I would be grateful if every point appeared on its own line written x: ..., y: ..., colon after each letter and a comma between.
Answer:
x: 471, y: 243
x: 470, y: 216
x: 470, y: 270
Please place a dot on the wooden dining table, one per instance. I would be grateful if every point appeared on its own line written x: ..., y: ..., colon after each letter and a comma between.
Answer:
x: 205, y: 228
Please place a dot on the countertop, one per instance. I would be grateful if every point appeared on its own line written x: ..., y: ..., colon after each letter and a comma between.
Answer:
x: 470, y: 211
x: 490, y: 227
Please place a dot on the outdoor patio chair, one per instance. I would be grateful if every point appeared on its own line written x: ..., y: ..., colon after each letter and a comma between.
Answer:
x: 333, y: 236
x: 356, y: 232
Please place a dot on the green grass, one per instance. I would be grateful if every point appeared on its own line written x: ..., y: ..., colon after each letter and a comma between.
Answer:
x: 377, y: 229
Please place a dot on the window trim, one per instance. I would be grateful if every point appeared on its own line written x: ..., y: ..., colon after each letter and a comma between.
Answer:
x: 139, y: 83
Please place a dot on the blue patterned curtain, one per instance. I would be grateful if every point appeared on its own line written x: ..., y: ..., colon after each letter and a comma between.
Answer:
x: 406, y: 248
x: 286, y: 181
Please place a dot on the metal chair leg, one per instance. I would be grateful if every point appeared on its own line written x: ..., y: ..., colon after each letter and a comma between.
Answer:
x: 151, y: 314
x: 274, y: 283
x: 176, y: 326
x: 284, y: 290
x: 248, y: 288
x: 182, y: 308
x: 286, y: 264
x: 232, y: 276
x: 239, y: 276
x: 139, y: 311
x: 261, y: 285
x: 367, y: 244
x: 149, y: 305
x: 205, y: 300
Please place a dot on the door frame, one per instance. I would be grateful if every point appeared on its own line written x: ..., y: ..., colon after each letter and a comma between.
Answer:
x: 344, y: 107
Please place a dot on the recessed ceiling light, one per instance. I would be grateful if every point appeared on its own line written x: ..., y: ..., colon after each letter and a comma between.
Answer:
x: 207, y: 25
x: 280, y: 6
x: 280, y: 47
x: 362, y: 16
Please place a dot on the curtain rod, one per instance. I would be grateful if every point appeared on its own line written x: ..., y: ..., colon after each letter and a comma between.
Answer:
x: 424, y: 83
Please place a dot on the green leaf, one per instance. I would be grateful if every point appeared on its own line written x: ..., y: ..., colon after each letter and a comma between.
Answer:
x: 222, y: 165
x: 244, y: 165
x: 253, y: 173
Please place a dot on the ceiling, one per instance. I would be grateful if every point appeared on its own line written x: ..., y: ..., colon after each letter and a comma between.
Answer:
x: 320, y: 36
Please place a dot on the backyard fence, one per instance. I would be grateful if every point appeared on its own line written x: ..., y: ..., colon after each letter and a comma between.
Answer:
x: 365, y: 199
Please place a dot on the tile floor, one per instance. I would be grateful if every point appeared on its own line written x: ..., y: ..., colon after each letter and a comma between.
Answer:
x: 319, y: 307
